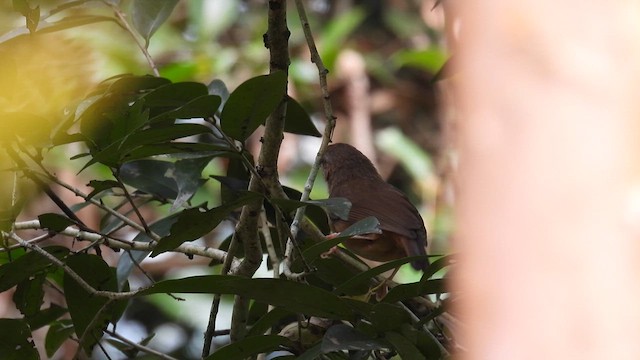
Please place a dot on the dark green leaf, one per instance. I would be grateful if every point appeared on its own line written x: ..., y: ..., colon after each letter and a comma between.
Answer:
x: 187, y: 175
x: 58, y: 333
x: 128, y: 261
x: 148, y: 15
x: 353, y: 285
x: 163, y: 134
x: 46, y: 316
x: 176, y: 148
x: 15, y: 340
x: 101, y: 185
x: 407, y: 291
x: 249, y: 105
x: 27, y: 265
x: 298, y: 121
x: 194, y: 223
x: 84, y: 307
x: 154, y: 177
x: 269, y: 320
x: 249, y: 346
x: 342, y: 337
x: 405, y: 348
x: 29, y: 295
x: 175, y: 94
x: 55, y: 222
x: 130, y: 84
x: 202, y: 107
x: 294, y: 296
x: 423, y: 341
x: 386, y: 317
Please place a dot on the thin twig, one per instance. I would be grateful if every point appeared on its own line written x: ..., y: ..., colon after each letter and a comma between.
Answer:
x: 326, y: 137
x: 125, y: 24
x: 88, y: 288
x: 187, y: 249
x: 140, y: 347
x: 132, y: 203
x: 271, y: 250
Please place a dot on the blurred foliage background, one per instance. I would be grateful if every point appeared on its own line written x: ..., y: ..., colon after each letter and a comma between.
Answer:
x: 383, y: 58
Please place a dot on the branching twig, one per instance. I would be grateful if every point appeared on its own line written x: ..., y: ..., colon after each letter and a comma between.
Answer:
x: 187, y: 249
x: 125, y: 24
x: 140, y: 347
x: 326, y: 137
x: 88, y: 288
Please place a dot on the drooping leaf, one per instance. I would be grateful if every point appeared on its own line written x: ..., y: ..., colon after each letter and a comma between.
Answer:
x: 175, y: 94
x: 249, y: 105
x: 46, y: 316
x: 405, y: 348
x: 201, y: 107
x: 128, y: 261
x: 250, y: 346
x: 412, y: 290
x: 27, y: 265
x: 83, y: 306
x: 148, y: 15
x: 387, y: 317
x: 154, y: 177
x: 29, y: 295
x: 16, y: 343
x: 342, y: 337
x: 194, y: 223
x: 187, y: 176
x: 58, y: 333
x: 268, y: 320
x: 294, y: 296
x: 55, y: 222
x: 100, y: 186
x: 297, y: 120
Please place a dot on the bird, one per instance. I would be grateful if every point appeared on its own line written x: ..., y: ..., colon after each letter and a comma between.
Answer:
x: 350, y: 174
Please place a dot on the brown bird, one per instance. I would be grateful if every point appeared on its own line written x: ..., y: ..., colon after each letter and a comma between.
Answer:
x: 351, y: 175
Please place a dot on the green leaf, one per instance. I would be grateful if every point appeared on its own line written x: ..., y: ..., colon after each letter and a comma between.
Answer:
x: 58, y: 333
x: 101, y: 185
x: 387, y: 317
x: 249, y: 105
x: 202, y: 107
x: 268, y: 320
x: 72, y: 22
x: 177, y: 148
x: 187, y: 176
x: 175, y: 94
x: 84, y: 307
x: 407, y: 291
x: 55, y: 222
x: 46, y: 316
x: 249, y: 346
x: 430, y: 59
x: 148, y: 15
x: 129, y: 84
x: 27, y: 265
x: 293, y: 296
x: 128, y: 261
x: 29, y: 295
x: 405, y: 348
x: 194, y: 223
x: 162, y: 134
x: 15, y: 340
x: 343, y: 337
x: 335, y: 207
x: 355, y: 284
x: 154, y: 177
x: 298, y: 121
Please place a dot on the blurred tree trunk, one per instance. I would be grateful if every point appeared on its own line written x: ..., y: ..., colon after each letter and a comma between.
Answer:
x: 549, y: 206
